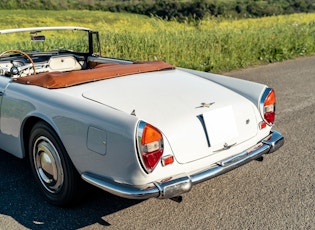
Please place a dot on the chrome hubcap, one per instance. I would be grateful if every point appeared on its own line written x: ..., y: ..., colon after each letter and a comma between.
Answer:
x: 48, y: 164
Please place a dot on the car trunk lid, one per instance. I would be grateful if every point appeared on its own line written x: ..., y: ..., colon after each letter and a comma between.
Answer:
x: 197, y: 117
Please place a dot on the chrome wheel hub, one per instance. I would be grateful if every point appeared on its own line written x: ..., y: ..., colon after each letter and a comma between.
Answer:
x: 48, y: 165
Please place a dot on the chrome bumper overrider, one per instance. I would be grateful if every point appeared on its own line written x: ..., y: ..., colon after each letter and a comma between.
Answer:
x: 182, y: 184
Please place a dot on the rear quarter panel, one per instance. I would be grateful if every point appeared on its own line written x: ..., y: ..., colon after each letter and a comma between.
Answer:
x: 71, y: 117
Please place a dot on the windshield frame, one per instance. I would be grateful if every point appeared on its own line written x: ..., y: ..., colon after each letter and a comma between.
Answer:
x: 93, y: 36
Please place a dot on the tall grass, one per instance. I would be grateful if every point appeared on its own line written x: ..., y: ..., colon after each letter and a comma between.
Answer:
x: 219, y: 45
x: 213, y: 44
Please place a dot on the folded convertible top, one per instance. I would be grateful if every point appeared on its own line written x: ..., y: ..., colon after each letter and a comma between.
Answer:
x: 55, y: 80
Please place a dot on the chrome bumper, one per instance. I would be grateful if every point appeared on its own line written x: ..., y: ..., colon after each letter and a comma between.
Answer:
x: 183, y: 184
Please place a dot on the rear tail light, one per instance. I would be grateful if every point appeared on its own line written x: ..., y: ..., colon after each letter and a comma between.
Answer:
x: 268, y: 106
x: 150, y: 146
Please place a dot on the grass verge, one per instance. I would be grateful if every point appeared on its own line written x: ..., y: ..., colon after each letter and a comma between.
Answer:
x: 213, y: 44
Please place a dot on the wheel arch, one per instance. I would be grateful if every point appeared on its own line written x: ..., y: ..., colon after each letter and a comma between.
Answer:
x: 66, y: 187
x: 27, y: 126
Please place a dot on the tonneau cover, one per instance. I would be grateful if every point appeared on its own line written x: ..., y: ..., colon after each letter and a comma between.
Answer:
x: 55, y: 80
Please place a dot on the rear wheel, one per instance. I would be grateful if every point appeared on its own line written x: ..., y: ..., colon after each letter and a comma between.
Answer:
x: 52, y: 167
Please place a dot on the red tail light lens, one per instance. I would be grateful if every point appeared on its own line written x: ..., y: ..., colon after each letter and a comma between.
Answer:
x: 150, y: 146
x: 268, y: 106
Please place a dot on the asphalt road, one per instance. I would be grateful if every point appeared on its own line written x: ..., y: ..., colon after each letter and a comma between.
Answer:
x: 278, y: 193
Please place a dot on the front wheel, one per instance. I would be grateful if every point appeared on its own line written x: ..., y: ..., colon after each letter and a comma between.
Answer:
x: 52, y: 167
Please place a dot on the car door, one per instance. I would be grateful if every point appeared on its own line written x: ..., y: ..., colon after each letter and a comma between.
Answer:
x: 5, y: 139
x: 4, y: 81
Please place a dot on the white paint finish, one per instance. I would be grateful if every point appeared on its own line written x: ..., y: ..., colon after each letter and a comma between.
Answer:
x: 251, y: 90
x: 97, y: 140
x: 172, y: 101
x: 173, y: 108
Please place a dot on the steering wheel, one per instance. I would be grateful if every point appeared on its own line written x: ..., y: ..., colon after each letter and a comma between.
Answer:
x: 14, y: 70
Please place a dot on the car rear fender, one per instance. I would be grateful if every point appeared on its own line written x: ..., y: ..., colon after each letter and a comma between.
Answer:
x: 250, y: 90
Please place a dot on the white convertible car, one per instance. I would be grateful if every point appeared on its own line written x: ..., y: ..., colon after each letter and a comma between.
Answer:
x: 134, y: 129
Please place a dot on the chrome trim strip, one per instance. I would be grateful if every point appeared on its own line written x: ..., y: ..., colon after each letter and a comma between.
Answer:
x: 275, y: 141
x: 230, y: 164
x: 122, y: 190
x: 183, y: 183
x: 262, y: 102
x: 39, y: 29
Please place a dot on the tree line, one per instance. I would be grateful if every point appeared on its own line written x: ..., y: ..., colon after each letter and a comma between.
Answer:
x: 170, y: 9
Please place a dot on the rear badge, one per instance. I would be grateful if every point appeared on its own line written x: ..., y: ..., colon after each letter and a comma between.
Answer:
x: 205, y: 105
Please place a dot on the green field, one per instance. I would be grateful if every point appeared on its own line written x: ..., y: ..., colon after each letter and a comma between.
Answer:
x: 213, y: 44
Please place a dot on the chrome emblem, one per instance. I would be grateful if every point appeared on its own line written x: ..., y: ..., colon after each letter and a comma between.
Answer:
x: 205, y: 105
x: 227, y: 146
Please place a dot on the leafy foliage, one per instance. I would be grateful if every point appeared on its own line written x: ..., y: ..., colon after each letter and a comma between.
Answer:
x: 181, y: 10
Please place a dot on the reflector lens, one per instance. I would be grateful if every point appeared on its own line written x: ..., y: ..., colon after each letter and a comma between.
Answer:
x: 270, y: 117
x: 150, y: 134
x: 150, y: 147
x: 167, y: 160
x: 151, y: 159
x: 270, y: 99
x: 262, y: 125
